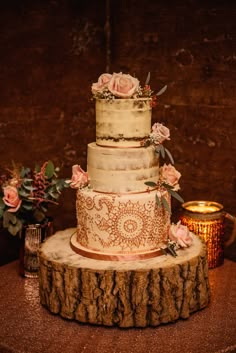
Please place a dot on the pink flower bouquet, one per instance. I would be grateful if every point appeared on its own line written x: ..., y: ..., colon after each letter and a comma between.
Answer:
x: 25, y: 195
x: 119, y: 85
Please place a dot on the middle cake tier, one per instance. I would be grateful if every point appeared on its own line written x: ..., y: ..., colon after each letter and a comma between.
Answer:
x: 120, y: 170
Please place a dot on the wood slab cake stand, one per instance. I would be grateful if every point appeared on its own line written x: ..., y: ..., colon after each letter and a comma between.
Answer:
x: 122, y: 293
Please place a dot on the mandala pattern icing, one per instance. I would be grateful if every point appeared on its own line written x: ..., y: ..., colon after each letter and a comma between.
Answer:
x: 120, y: 224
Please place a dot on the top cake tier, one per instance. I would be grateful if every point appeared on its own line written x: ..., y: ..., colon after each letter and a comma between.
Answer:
x: 123, y: 122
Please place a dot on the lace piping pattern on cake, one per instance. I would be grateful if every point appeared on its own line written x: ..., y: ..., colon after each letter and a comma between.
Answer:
x: 125, y: 225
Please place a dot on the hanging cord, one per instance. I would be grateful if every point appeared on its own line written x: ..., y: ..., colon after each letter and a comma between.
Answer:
x: 108, y: 36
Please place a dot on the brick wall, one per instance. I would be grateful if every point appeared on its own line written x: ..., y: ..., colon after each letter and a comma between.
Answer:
x: 51, y: 52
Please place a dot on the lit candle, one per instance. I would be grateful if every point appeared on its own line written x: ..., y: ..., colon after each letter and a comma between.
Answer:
x: 206, y: 219
x: 202, y: 208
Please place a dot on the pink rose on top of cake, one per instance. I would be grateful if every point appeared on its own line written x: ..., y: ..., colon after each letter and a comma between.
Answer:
x: 170, y: 176
x: 79, y: 177
x: 102, y: 83
x: 159, y: 133
x: 123, y: 85
x: 180, y: 234
x: 11, y: 198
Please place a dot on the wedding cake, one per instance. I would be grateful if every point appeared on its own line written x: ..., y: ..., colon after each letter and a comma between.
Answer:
x: 110, y: 272
x: 123, y: 202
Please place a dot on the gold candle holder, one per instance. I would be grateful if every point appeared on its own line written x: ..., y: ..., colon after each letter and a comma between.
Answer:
x: 206, y: 219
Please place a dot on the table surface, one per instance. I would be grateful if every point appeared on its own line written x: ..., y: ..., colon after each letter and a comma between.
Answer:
x: 27, y: 327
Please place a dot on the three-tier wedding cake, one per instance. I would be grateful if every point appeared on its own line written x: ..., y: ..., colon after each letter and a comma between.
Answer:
x: 124, y: 199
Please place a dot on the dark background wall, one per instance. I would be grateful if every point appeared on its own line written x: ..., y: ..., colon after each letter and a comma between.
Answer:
x: 52, y: 51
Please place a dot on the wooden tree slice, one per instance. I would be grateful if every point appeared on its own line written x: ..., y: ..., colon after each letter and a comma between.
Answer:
x: 125, y: 293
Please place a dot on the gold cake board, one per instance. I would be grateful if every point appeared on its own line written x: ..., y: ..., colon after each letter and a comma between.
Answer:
x: 92, y: 254
x: 136, y: 293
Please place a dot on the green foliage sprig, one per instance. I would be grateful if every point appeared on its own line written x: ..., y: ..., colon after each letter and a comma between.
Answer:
x: 25, y: 195
x: 160, y: 198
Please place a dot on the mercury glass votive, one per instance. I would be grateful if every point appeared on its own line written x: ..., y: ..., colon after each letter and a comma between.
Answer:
x: 31, y: 237
x: 206, y: 219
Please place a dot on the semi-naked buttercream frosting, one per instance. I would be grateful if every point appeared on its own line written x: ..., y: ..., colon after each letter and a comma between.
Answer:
x: 122, y: 122
x: 121, y: 169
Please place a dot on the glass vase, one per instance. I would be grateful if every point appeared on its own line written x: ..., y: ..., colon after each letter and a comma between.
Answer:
x: 31, y: 237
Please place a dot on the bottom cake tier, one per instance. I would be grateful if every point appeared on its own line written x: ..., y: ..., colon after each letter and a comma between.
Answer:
x: 120, y: 225
x: 126, y: 293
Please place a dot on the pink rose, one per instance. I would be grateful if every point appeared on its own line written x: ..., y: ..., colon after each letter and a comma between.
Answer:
x: 102, y: 83
x: 122, y: 85
x: 79, y: 177
x: 180, y: 234
x: 11, y: 198
x: 159, y: 133
x: 170, y: 176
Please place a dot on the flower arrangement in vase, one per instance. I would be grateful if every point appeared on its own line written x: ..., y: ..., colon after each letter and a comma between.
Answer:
x: 25, y: 196
x: 26, y: 193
